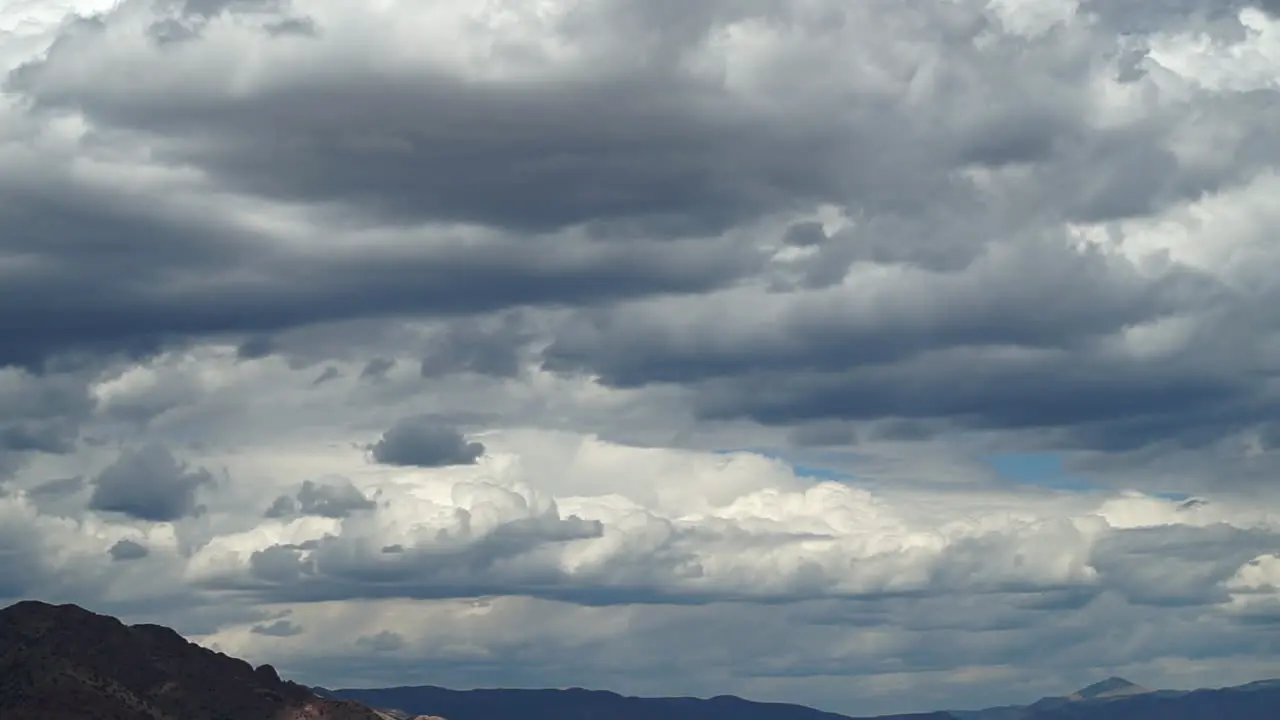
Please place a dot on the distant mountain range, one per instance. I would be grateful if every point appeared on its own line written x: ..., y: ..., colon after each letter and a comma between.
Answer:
x: 579, y: 704
x: 1112, y: 699
x: 61, y: 662
x: 1118, y: 699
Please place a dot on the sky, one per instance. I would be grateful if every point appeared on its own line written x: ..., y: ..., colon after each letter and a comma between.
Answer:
x: 878, y: 355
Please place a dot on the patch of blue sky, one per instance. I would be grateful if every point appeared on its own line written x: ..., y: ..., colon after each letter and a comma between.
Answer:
x: 1046, y: 470
x: 1038, y: 469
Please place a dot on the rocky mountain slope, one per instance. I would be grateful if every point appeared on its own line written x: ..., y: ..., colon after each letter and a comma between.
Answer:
x: 61, y: 662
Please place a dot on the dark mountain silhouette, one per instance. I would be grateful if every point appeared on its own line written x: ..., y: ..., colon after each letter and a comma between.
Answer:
x: 1256, y: 701
x: 1112, y: 687
x: 1110, y: 699
x: 579, y: 704
x: 1118, y: 699
x: 61, y: 662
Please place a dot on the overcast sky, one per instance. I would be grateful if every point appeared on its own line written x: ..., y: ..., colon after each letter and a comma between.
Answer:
x: 873, y: 355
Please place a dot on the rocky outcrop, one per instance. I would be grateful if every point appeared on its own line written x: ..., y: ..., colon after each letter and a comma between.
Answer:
x: 62, y: 662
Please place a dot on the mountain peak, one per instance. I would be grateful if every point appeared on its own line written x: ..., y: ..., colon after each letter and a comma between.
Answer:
x: 1111, y: 687
x: 31, y: 608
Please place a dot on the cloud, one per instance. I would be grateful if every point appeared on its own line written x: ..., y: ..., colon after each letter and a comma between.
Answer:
x: 667, y: 163
x: 38, y: 438
x: 333, y: 498
x: 282, y: 506
x: 436, y: 263
x: 422, y: 442
x: 126, y: 550
x: 622, y: 343
x: 668, y: 542
x: 1017, y: 326
x: 255, y: 348
x: 906, y: 270
x: 149, y: 484
x: 385, y: 641
x: 56, y: 488
x: 377, y: 369
x: 329, y: 373
x: 279, y: 628
x: 491, y: 347
x: 40, y: 414
x: 758, y: 540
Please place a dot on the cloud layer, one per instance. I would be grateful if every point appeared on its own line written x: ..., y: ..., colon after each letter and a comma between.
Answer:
x: 875, y: 355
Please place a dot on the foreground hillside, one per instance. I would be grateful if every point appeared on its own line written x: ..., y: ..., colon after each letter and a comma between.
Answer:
x: 61, y: 662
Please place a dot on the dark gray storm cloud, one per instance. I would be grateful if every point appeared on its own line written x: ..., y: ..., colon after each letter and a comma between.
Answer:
x: 57, y: 488
x: 149, y: 484
x: 293, y: 289
x: 1116, y: 408
x: 335, y: 498
x: 328, y: 374
x: 459, y: 166
x: 255, y: 348
x: 628, y: 148
x: 487, y: 346
x: 282, y: 507
x: 385, y: 641
x: 332, y: 497
x: 424, y: 442
x: 631, y: 181
x: 278, y: 564
x: 1042, y: 296
x: 805, y: 234
x: 54, y: 437
x: 126, y: 550
x: 632, y: 153
x: 653, y: 145
x: 1011, y: 340
x: 41, y: 414
x: 377, y: 369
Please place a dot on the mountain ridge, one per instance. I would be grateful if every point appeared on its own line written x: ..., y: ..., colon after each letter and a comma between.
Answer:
x: 582, y: 704
x: 62, y: 662
x: 1109, y: 688
x: 1113, y: 698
